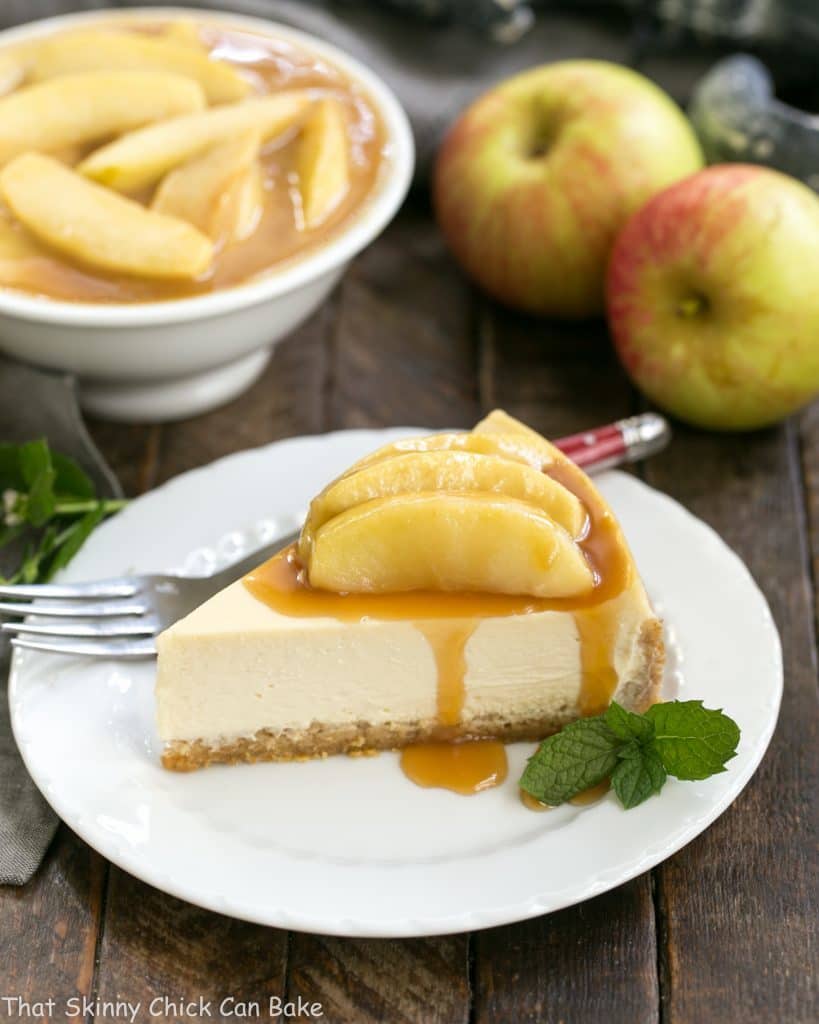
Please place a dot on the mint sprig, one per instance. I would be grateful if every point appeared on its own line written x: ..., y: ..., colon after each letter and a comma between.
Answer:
x: 576, y: 758
x: 695, y: 743
x: 637, y: 752
x: 49, y: 506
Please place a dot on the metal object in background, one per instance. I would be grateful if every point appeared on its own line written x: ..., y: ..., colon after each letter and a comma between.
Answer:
x: 738, y: 118
x: 791, y: 24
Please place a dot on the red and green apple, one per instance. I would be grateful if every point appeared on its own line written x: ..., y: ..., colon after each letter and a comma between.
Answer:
x: 713, y: 297
x: 535, y: 179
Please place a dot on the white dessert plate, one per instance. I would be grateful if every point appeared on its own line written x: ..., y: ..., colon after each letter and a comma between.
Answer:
x: 349, y: 846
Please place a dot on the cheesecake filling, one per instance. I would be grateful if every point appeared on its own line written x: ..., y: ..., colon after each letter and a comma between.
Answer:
x: 447, y: 594
x: 448, y: 620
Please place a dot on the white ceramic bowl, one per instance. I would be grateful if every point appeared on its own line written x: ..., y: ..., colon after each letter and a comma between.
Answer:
x: 156, y: 361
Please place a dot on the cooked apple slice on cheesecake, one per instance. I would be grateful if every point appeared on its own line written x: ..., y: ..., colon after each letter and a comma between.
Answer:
x: 454, y: 587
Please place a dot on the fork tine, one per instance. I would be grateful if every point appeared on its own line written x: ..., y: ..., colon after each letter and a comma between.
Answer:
x: 121, y: 587
x: 139, y: 647
x: 75, y: 609
x: 131, y: 626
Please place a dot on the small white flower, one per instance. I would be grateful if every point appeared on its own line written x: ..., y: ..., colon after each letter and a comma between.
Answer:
x: 10, y: 515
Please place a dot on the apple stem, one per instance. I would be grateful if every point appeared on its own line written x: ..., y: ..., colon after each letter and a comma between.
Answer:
x: 691, y: 306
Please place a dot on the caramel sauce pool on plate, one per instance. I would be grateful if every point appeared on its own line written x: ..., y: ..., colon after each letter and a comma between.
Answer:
x: 447, y: 620
x: 587, y: 796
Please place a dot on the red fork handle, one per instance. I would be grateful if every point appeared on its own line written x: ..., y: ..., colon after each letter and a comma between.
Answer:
x: 617, y: 443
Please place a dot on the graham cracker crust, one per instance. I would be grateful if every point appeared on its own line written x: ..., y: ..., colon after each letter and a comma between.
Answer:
x: 320, y: 739
x: 643, y: 689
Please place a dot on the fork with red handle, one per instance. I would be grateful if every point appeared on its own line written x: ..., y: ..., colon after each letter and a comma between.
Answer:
x: 120, y: 618
x: 616, y: 443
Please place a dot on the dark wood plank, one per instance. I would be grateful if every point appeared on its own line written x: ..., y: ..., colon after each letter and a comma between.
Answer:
x: 49, y: 930
x: 154, y: 946
x: 576, y: 965
x: 557, y: 377
x: 597, y: 961
x: 402, y: 352
x: 739, y: 904
x: 403, y: 349
x: 372, y: 981
x: 809, y: 435
x: 132, y: 452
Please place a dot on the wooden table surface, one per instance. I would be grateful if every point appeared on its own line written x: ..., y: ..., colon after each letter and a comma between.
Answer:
x: 724, y: 931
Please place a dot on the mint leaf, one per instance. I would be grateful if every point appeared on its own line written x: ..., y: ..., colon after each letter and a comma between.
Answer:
x: 41, y: 500
x: 10, y: 475
x: 38, y: 476
x: 638, y: 752
x: 631, y: 749
x: 35, y: 459
x: 69, y: 480
x: 693, y: 742
x: 48, y: 505
x: 626, y: 725
x: 72, y: 540
x: 638, y: 776
x: 34, y: 556
x: 578, y: 757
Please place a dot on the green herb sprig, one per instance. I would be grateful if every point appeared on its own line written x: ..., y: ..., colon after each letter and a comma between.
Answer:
x: 637, y: 752
x: 49, y: 505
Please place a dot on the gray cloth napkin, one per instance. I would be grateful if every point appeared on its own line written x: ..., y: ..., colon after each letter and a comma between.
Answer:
x: 34, y: 404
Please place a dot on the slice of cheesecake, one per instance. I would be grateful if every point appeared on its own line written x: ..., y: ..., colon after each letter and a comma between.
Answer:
x: 449, y: 587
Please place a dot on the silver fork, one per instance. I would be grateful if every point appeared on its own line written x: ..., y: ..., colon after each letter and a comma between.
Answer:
x: 120, y: 618
x: 115, y: 618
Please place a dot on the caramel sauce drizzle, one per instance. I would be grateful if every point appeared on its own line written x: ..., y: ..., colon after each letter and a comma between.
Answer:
x: 467, y: 767
x: 447, y: 620
x: 592, y: 794
x: 448, y: 642
x: 582, y: 799
x: 531, y: 803
x: 595, y: 618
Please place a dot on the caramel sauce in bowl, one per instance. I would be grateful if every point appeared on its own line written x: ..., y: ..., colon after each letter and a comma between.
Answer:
x: 152, y: 352
x: 272, y: 67
x: 448, y: 620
